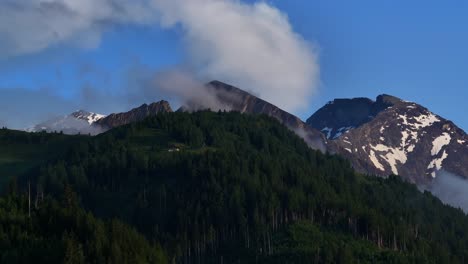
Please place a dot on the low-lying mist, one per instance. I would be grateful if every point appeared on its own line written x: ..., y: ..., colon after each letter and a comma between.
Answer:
x: 451, y: 189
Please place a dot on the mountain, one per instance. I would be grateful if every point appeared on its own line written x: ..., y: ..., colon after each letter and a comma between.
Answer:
x: 341, y: 115
x: 77, y: 122
x: 134, y: 115
x: 87, y: 116
x: 381, y: 137
x: 83, y: 122
x: 232, y: 98
x: 239, y: 189
x: 393, y: 136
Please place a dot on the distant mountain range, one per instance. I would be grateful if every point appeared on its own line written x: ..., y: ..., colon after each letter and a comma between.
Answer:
x: 381, y: 137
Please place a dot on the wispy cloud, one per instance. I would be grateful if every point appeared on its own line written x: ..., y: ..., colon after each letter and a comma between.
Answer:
x: 250, y: 45
x: 34, y: 25
x: 451, y: 189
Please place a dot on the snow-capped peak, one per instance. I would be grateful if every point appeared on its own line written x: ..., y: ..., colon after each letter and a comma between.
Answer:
x: 79, y: 122
x: 87, y: 116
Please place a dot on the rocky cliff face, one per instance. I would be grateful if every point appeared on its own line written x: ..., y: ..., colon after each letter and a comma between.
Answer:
x: 232, y: 98
x: 341, y: 115
x: 392, y: 136
x: 134, y: 115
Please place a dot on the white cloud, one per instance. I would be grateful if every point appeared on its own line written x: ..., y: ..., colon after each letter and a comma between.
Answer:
x: 252, y: 46
x: 450, y: 189
x: 30, y: 26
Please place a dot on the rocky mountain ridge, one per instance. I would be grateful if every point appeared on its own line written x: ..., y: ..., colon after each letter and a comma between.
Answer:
x: 382, y: 137
x: 134, y: 115
x: 83, y: 122
x: 393, y: 136
x: 232, y: 98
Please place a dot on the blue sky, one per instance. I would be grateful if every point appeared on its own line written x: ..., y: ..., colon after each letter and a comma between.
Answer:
x: 415, y: 50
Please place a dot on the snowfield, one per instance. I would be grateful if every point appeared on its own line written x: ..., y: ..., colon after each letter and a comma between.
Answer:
x: 439, y: 143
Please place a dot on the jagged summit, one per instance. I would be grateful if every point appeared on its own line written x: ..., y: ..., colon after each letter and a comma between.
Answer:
x: 134, y: 115
x: 87, y: 116
x: 340, y: 115
x: 385, y: 99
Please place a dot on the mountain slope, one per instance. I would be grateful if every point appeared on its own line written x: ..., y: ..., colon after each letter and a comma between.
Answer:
x: 232, y: 98
x: 392, y: 136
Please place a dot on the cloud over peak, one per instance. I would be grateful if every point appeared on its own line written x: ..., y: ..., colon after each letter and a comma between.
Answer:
x: 252, y: 46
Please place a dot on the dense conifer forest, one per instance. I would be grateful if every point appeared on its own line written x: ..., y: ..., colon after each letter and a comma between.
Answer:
x: 209, y: 187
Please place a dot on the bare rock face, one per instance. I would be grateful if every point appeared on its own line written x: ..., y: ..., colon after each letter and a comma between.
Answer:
x: 134, y: 115
x: 234, y: 99
x: 341, y: 115
x: 392, y: 136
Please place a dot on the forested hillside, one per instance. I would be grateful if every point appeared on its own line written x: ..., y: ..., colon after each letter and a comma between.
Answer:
x: 21, y: 151
x: 222, y: 188
x: 62, y: 232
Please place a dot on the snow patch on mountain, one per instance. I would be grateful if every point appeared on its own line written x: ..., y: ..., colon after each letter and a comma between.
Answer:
x: 88, y: 116
x: 391, y: 155
x: 437, y: 164
x: 439, y: 143
x: 425, y: 120
x: 376, y: 162
x: 341, y: 131
x: 77, y: 122
x: 382, y: 129
x: 328, y: 131
x: 330, y: 134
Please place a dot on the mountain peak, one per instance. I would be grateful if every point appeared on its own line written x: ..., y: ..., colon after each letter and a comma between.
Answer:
x: 229, y: 97
x: 80, y: 121
x: 340, y: 115
x: 388, y: 99
x: 392, y: 136
x: 87, y: 116
x: 134, y: 115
